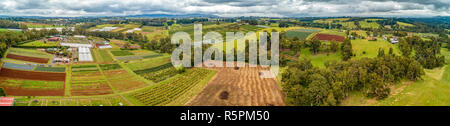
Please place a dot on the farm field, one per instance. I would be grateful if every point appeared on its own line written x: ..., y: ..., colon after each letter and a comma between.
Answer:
x: 32, y: 75
x: 301, y: 34
x: 242, y: 87
x: 120, y: 79
x: 361, y: 45
x: 367, y: 23
x: 173, y: 91
x: 102, y: 56
x: 88, y: 80
x: 28, y: 58
x: 98, y: 101
x: 328, y: 37
x: 21, y: 87
x: 40, y: 44
x: 145, y: 64
x: 29, y: 52
x: 159, y: 73
x: 318, y: 60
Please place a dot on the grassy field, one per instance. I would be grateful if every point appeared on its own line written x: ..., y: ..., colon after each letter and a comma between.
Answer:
x: 402, y: 24
x: 432, y: 90
x: 366, y: 24
x: 121, y: 53
x: 29, y: 52
x: 362, y: 45
x: 39, y: 43
x: 318, y: 60
x: 149, y: 63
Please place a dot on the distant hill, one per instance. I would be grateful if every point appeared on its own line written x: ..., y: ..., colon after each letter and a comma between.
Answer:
x: 172, y: 16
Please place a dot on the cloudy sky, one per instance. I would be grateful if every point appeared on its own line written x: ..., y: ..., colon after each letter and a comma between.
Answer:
x: 226, y: 8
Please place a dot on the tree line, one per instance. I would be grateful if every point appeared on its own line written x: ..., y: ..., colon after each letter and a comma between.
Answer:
x: 306, y: 85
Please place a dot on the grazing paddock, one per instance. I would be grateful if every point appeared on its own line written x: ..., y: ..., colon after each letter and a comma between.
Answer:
x: 32, y: 75
x: 240, y: 87
x: 20, y: 87
x: 28, y: 58
x: 176, y: 91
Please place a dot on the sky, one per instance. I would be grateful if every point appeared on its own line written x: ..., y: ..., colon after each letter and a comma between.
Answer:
x: 226, y: 8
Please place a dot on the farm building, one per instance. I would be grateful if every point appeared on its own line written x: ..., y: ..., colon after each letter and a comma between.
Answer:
x: 105, y: 29
x: 75, y: 45
x: 64, y: 60
x: 79, y: 36
x: 84, y: 54
x: 394, y: 39
x: 6, y: 101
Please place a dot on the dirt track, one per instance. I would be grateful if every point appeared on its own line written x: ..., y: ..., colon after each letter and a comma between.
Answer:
x: 241, y: 87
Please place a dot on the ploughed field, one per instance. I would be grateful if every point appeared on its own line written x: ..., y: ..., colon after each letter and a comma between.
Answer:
x: 327, y: 37
x: 240, y: 87
x: 27, y: 58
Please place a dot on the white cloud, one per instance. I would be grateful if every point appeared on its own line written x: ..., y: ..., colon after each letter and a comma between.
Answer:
x: 276, y: 8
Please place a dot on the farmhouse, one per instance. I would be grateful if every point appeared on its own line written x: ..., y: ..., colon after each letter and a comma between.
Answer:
x: 6, y: 101
x: 394, y: 39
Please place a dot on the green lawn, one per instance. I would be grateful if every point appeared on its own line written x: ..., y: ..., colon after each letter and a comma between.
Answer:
x: 318, y: 60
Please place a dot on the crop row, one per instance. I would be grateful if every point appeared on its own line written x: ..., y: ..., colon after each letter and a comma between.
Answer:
x: 168, y: 92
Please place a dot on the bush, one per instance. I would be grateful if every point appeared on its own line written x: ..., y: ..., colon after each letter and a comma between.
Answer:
x: 2, y: 92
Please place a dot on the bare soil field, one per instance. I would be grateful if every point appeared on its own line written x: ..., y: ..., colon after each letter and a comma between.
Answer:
x: 27, y: 58
x: 327, y: 37
x: 32, y: 75
x: 36, y: 92
x: 240, y: 87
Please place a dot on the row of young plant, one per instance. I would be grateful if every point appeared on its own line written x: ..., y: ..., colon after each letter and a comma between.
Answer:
x: 159, y: 73
x: 168, y: 92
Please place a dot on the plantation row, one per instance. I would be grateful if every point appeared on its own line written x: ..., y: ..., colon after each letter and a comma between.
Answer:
x: 31, y: 67
x: 137, y: 57
x: 168, y: 92
x: 161, y: 75
x: 110, y: 66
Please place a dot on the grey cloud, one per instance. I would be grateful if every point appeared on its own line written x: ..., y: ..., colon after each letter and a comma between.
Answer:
x: 225, y: 7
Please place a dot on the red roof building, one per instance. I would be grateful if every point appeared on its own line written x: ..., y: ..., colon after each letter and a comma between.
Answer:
x: 6, y: 101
